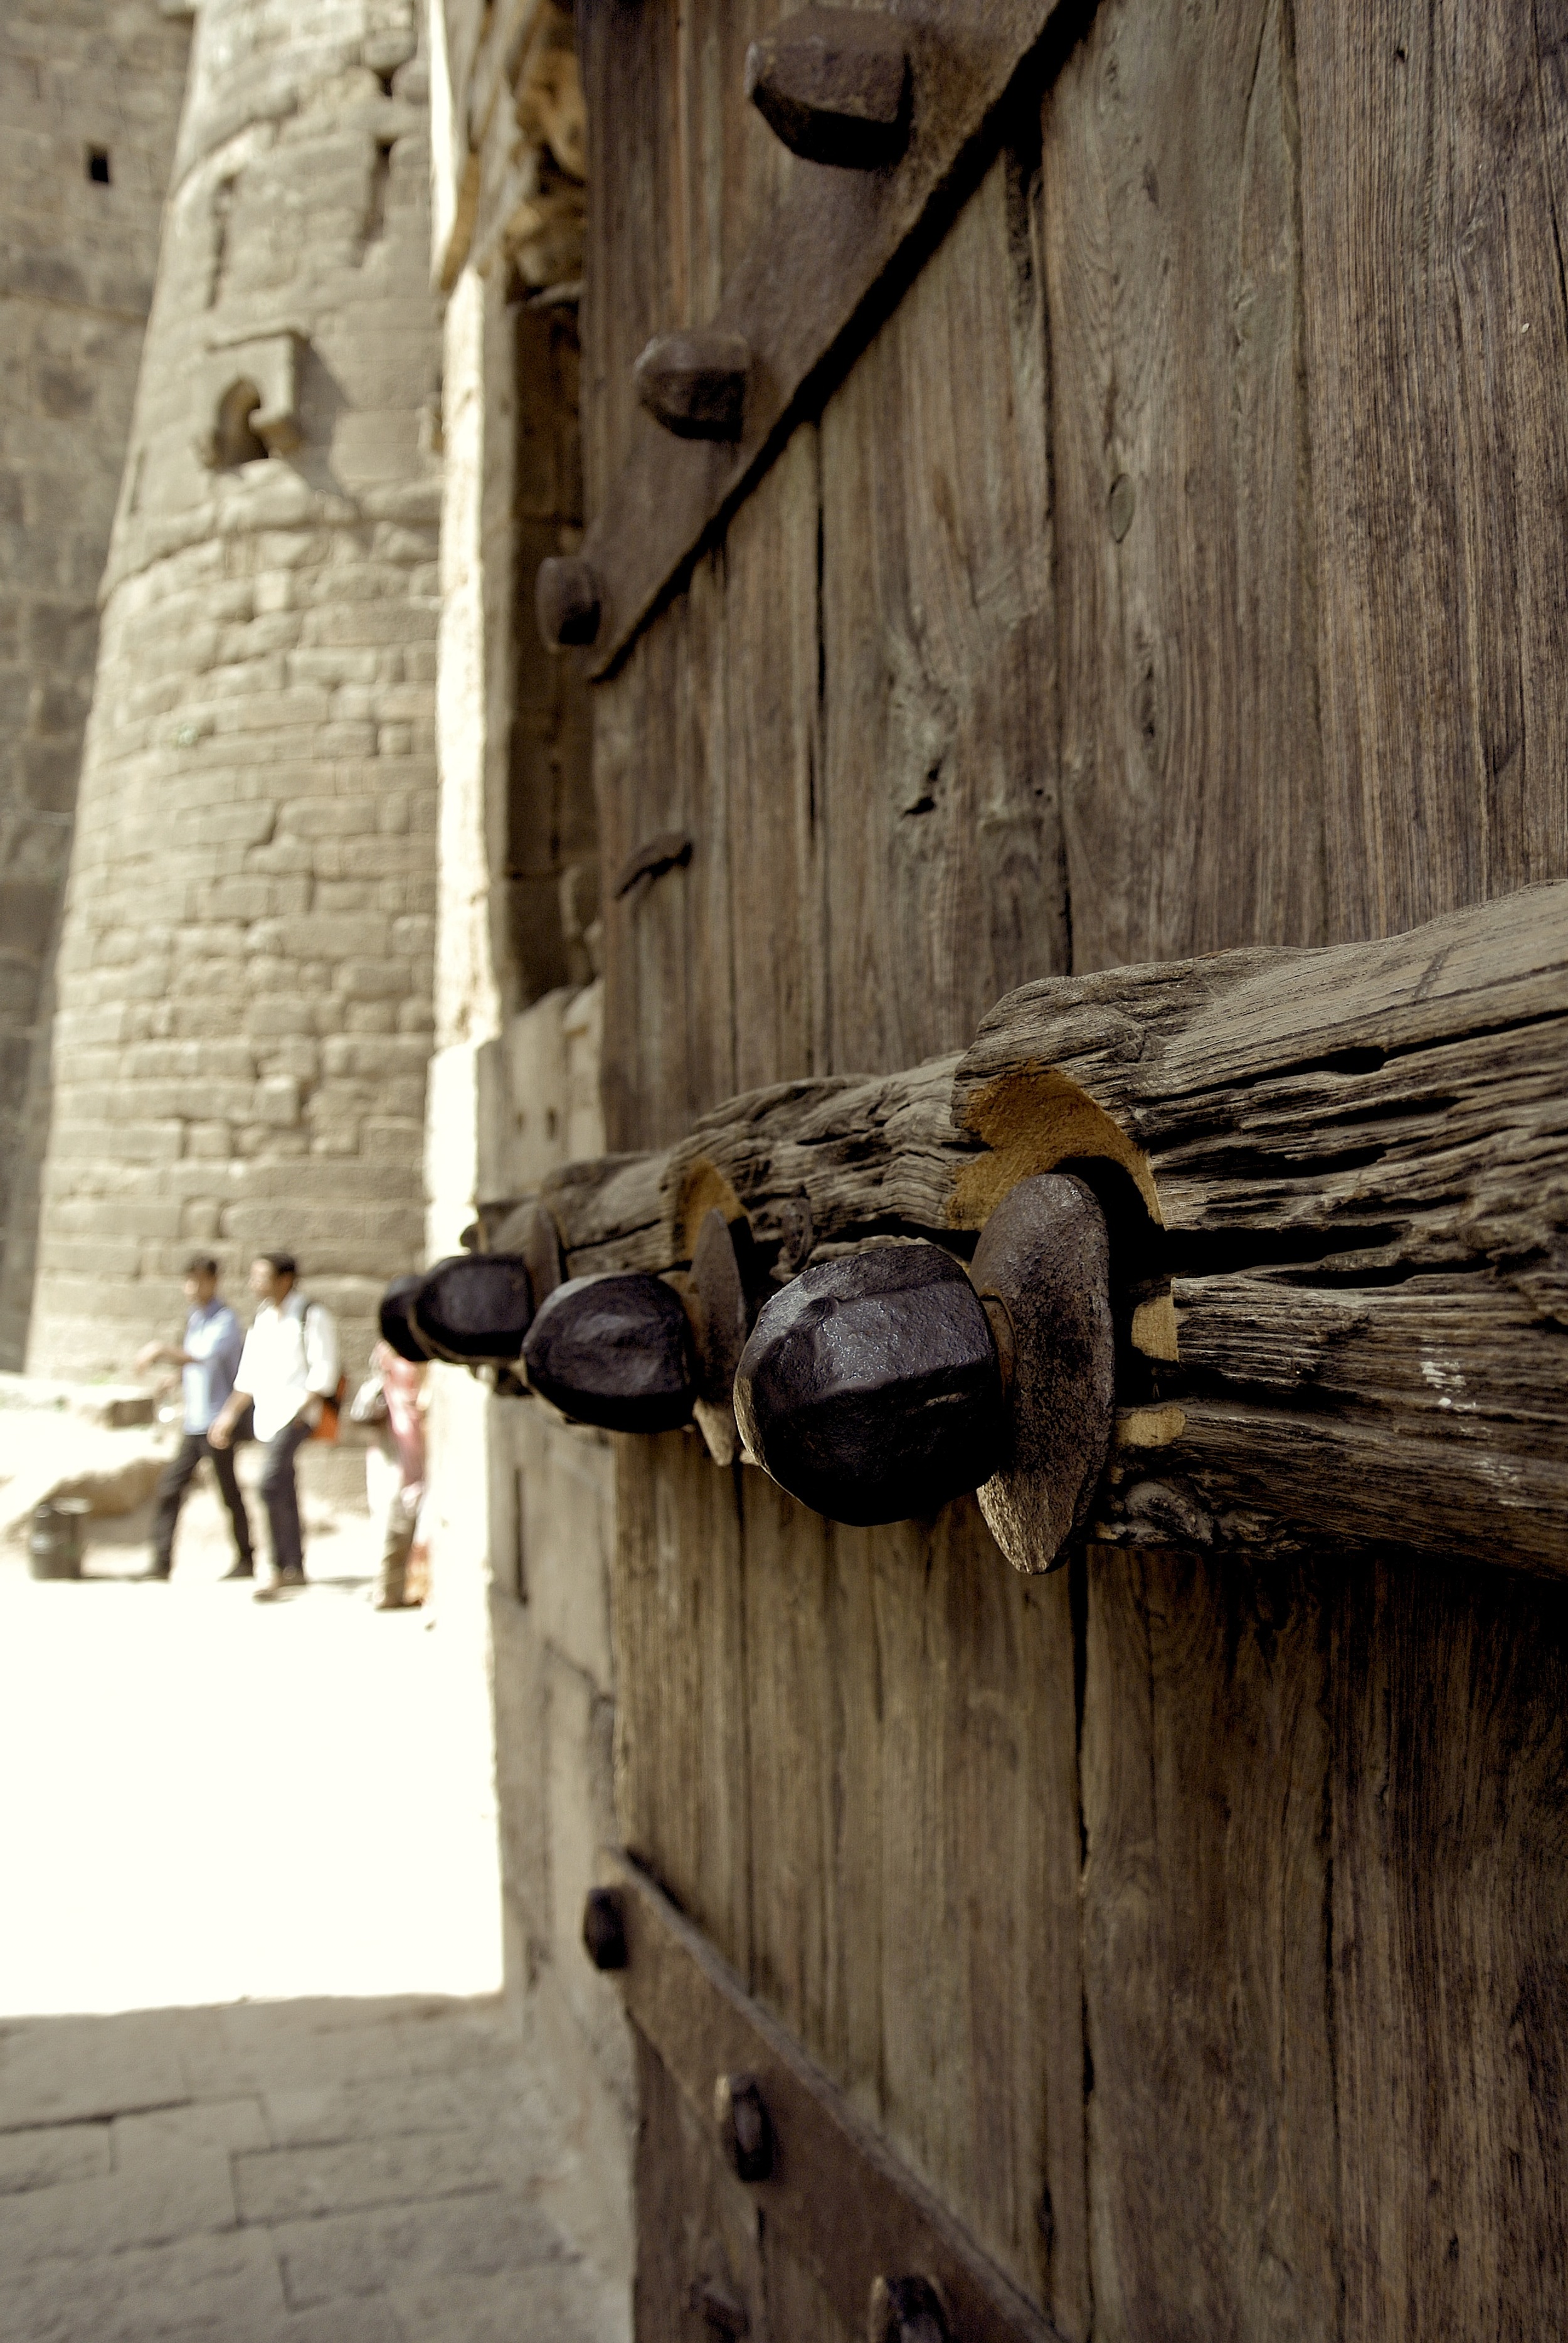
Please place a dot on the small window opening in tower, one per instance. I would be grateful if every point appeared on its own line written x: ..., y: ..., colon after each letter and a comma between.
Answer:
x: 98, y: 166
x: 375, y: 204
x: 233, y: 441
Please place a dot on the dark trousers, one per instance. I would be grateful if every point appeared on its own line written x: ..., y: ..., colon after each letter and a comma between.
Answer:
x: 177, y: 1479
x: 281, y: 1498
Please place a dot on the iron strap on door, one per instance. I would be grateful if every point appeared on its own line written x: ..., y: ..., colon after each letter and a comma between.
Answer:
x: 889, y: 2258
x: 884, y: 107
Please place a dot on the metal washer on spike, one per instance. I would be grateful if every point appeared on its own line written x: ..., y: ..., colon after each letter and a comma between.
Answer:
x: 1042, y: 1267
x: 717, y: 1305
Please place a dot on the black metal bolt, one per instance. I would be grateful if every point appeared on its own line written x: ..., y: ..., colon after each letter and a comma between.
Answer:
x: 604, y: 1928
x: 397, y: 1326
x: 474, y: 1308
x: 695, y: 383
x: 720, y: 2307
x: 567, y: 601
x: 872, y: 1389
x: 615, y: 1350
x: 745, y: 2131
x: 905, y: 2310
x: 877, y: 1386
x: 834, y: 85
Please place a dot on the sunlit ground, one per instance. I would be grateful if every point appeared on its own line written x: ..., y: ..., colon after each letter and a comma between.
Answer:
x: 205, y: 1798
x: 260, y: 1840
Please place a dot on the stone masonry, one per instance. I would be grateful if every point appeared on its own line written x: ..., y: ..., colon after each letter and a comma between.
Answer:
x: 89, y: 105
x: 244, y: 970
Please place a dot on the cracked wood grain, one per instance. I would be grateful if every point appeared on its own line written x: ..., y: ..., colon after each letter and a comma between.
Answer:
x: 1436, y: 338
x: 1354, y: 1164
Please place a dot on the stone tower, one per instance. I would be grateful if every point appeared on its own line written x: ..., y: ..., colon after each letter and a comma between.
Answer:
x: 89, y: 104
x: 245, y: 967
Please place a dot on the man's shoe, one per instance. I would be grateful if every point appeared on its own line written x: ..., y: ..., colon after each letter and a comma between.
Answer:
x: 240, y: 1570
x: 287, y: 1581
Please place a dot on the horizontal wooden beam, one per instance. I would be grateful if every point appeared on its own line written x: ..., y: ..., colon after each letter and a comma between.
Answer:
x: 797, y: 300
x: 837, y: 2198
x: 1338, y: 1185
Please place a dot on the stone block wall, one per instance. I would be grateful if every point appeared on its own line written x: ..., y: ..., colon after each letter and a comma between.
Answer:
x: 90, y: 98
x: 245, y: 973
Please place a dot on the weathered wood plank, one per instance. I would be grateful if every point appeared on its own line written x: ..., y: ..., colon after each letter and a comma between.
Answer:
x: 626, y: 59
x: 773, y: 774
x: 542, y: 740
x: 798, y: 295
x: 804, y: 1924
x: 636, y: 787
x: 737, y: 173
x: 898, y: 1703
x: 1360, y: 1158
x: 660, y: 769
x: 910, y: 1704
x: 682, y: 173
x: 1434, y: 143
x: 1211, y: 2117
x: 679, y: 1617
x: 707, y: 992
x: 942, y: 834
x: 976, y: 1799
x: 1191, y: 778
x: 1449, y: 1844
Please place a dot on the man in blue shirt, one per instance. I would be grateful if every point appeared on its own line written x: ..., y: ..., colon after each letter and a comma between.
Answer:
x: 213, y: 1343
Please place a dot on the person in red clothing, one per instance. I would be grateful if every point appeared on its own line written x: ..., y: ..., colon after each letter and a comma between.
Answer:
x: 395, y: 1469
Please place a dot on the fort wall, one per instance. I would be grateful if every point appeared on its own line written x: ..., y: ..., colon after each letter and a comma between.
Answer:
x: 245, y: 965
x: 90, y: 100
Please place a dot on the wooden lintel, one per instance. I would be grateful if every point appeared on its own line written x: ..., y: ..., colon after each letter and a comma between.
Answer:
x: 796, y: 299
x: 838, y: 2200
x: 1350, y: 1170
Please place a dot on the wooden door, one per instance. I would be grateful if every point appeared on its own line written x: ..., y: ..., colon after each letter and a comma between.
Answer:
x: 1161, y: 554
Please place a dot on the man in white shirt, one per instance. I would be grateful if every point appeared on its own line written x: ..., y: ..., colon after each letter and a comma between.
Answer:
x: 288, y: 1371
